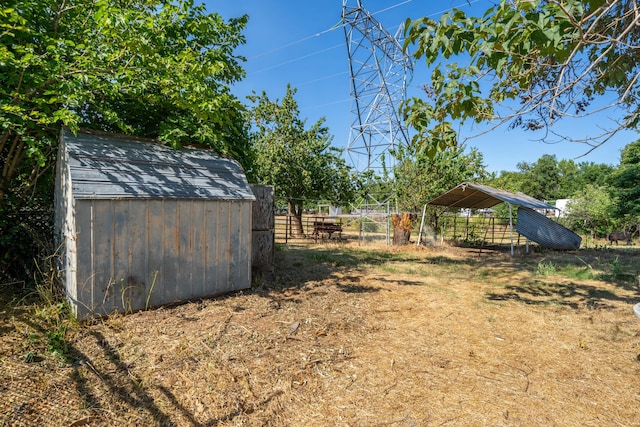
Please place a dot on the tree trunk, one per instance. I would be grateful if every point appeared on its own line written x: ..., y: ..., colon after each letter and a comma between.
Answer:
x: 296, y: 212
x: 402, y: 226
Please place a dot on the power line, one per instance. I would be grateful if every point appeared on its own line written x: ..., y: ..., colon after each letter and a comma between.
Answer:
x: 313, y: 107
x: 341, y: 24
x: 298, y: 58
x: 308, y: 82
x: 336, y: 26
x: 304, y: 39
x: 392, y: 7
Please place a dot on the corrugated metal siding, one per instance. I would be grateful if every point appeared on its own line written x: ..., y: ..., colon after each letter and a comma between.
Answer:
x: 181, y: 249
x: 478, y: 196
x: 546, y: 232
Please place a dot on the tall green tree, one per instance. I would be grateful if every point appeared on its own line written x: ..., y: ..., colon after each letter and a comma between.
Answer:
x: 152, y: 68
x: 590, y: 210
x: 550, y: 179
x: 575, y: 176
x: 594, y: 173
x: 542, y: 178
x: 298, y: 161
x: 544, y: 59
x: 420, y: 178
x: 625, y: 182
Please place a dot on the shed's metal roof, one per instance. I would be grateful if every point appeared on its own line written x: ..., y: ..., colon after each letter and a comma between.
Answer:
x: 110, y: 167
x: 478, y: 196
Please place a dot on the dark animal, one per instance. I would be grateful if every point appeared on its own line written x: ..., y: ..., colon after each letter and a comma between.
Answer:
x: 619, y: 235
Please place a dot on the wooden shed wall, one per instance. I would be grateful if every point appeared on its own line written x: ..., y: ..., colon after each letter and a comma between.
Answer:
x: 138, y: 253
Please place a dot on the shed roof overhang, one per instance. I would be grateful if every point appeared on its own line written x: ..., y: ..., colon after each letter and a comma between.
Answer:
x: 478, y: 196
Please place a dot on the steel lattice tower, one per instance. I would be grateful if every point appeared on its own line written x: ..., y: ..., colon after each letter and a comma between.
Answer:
x: 379, y: 74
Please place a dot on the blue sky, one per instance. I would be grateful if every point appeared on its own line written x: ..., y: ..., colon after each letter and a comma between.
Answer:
x: 302, y: 43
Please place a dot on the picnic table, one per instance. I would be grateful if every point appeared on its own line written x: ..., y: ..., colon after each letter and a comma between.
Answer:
x: 322, y: 227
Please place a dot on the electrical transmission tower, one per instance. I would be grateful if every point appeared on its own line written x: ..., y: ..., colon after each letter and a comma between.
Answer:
x: 379, y: 73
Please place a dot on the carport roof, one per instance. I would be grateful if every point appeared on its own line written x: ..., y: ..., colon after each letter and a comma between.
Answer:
x: 478, y: 196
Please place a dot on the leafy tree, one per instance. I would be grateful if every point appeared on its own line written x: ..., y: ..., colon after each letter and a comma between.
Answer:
x: 542, y: 178
x: 420, y: 178
x: 549, y: 179
x: 300, y: 163
x: 594, y: 173
x: 626, y: 185
x: 569, y: 173
x: 152, y: 68
x: 543, y: 59
x: 507, y: 180
x: 590, y: 210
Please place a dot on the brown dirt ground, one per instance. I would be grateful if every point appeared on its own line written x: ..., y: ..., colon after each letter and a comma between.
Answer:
x: 349, y: 336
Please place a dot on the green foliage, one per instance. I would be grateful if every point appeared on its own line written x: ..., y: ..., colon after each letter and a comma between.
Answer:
x: 152, y: 68
x: 544, y: 59
x: 298, y: 161
x: 550, y: 179
x: 621, y: 272
x: 565, y: 268
x: 545, y: 268
x: 149, y: 68
x: 625, y: 183
x: 57, y: 344
x: 590, y: 210
x: 543, y: 178
x: 55, y: 316
x: 420, y: 178
x: 577, y: 272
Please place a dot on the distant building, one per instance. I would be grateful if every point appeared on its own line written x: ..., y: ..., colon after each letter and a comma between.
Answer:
x: 561, y: 207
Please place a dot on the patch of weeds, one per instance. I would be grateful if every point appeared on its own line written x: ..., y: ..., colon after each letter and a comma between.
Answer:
x: 618, y: 272
x: 57, y: 320
x: 577, y: 272
x: 485, y: 274
x: 52, y: 314
x: 57, y: 343
x: 545, y: 268
x: 390, y: 268
x: 31, y: 357
x: 321, y: 256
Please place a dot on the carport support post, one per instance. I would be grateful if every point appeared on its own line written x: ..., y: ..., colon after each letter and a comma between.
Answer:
x: 424, y: 211
x: 389, y: 224
x: 510, y: 226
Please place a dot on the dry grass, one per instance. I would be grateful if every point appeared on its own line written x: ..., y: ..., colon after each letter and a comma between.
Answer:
x: 349, y: 336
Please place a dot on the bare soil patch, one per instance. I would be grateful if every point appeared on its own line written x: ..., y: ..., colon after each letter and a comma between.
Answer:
x: 352, y: 336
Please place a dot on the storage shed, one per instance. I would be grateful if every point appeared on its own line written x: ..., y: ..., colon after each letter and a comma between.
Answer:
x: 141, y: 225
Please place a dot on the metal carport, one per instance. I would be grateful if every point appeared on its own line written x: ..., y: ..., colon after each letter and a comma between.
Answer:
x: 478, y: 196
